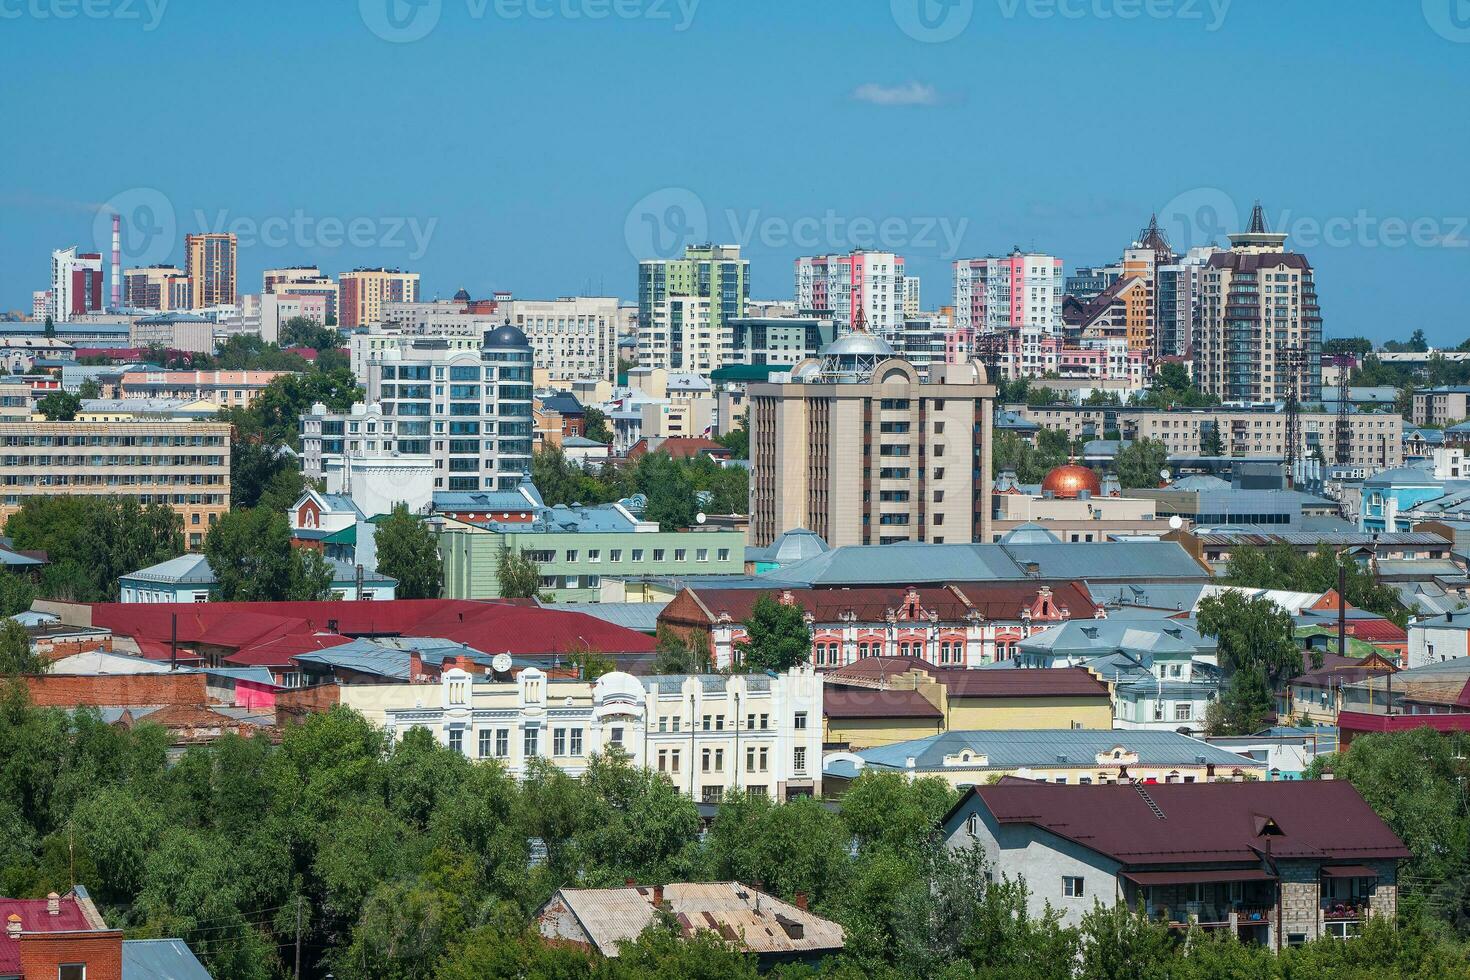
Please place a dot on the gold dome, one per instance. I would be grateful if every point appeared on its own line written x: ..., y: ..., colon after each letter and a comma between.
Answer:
x: 1069, y: 481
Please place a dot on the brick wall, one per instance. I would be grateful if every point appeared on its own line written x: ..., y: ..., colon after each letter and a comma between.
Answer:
x: 119, y: 690
x: 292, y: 707
x: 42, y: 952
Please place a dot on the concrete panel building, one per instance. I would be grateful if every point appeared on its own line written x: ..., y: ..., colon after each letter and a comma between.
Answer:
x: 573, y: 338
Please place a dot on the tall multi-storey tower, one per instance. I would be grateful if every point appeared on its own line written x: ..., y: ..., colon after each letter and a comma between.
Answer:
x: 209, y: 260
x: 691, y: 300
x: 1258, y: 303
x: 364, y: 292
x: 76, y: 283
x: 839, y: 286
x: 862, y: 449
x: 1023, y: 289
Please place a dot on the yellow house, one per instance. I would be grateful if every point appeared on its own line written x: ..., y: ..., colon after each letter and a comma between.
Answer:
x: 880, y: 701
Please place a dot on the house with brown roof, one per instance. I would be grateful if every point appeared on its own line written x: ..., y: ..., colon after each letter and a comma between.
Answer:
x: 1274, y: 863
x: 959, y: 624
x: 598, y: 919
x: 883, y: 700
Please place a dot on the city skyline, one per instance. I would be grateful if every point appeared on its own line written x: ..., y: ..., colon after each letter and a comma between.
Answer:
x: 552, y: 186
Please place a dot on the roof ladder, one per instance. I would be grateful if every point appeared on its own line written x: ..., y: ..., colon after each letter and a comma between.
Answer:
x: 1150, y: 801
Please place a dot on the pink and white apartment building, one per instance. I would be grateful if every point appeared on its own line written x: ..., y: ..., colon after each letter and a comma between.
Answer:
x: 837, y: 286
x: 1023, y: 289
x: 1032, y: 352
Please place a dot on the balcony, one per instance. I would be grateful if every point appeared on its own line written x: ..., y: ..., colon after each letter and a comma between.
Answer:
x: 1344, y: 911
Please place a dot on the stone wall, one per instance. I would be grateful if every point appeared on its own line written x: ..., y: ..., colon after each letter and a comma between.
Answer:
x: 1301, y: 907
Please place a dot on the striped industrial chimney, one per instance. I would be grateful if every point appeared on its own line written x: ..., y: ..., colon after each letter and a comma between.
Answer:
x: 116, y: 262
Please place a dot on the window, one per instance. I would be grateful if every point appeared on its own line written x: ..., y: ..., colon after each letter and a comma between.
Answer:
x: 972, y: 825
x: 530, y: 742
x: 637, y: 554
x: 1183, y: 711
x: 616, y: 738
x: 594, y: 554
x: 723, y: 554
x: 799, y: 722
x: 502, y: 742
x: 1071, y: 886
x: 798, y: 758
x: 701, y: 554
x: 71, y: 971
x: 456, y: 741
x: 615, y: 555
x: 486, y: 742
x: 559, y: 741
x: 658, y: 554
x: 679, y: 554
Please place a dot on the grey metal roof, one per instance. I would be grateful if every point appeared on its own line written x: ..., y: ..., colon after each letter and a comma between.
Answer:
x: 1089, y: 638
x: 1446, y: 621
x: 1048, y: 747
x: 1150, y: 595
x: 183, y: 570
x: 790, y: 546
x: 160, y: 959
x: 640, y: 616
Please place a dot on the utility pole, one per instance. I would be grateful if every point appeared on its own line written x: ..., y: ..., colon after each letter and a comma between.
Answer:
x: 1292, y: 360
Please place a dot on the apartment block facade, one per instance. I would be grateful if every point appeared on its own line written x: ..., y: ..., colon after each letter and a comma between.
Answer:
x: 209, y: 262
x: 1260, y: 323
x: 837, y: 287
x: 228, y: 389
x: 573, y: 338
x: 363, y: 294
x: 862, y: 450
x: 304, y: 280
x: 183, y: 464
x: 712, y: 284
x: 157, y: 287
x: 711, y: 735
x: 1020, y: 289
x: 76, y: 284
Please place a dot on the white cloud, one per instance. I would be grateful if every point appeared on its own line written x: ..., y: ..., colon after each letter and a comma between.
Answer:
x: 909, y: 93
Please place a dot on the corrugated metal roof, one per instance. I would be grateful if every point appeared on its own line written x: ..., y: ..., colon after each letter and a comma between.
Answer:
x: 160, y: 959
x: 1047, y: 747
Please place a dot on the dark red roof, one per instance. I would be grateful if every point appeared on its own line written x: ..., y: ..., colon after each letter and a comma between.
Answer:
x: 1252, y: 262
x: 249, y: 627
x: 841, y: 701
x: 878, y: 669
x: 1045, y: 682
x: 1362, y: 723
x: 681, y: 447
x: 1201, y: 822
x: 278, y: 651
x: 34, y: 917
x: 999, y: 601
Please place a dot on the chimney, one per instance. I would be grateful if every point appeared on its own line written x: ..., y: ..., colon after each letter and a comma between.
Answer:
x: 415, y: 666
x: 12, y: 926
x: 53, y: 903
x: 658, y: 896
x: 630, y: 882
x: 801, y: 900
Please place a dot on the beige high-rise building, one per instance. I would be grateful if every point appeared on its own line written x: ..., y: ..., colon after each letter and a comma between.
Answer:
x: 157, y: 287
x: 209, y: 260
x: 859, y: 449
x: 183, y: 464
x: 1259, y: 321
x: 365, y: 292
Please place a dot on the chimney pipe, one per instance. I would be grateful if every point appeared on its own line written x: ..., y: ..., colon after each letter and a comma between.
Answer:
x: 12, y: 926
x: 53, y: 904
x: 630, y: 882
x: 801, y: 900
x: 658, y: 896
x: 117, y: 262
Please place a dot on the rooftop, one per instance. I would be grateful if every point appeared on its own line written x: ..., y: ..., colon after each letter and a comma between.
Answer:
x: 1048, y: 747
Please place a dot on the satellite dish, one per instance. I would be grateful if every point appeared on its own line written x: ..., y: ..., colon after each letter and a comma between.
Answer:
x: 1176, y: 522
x: 1164, y: 473
x: 501, y: 663
x: 699, y: 518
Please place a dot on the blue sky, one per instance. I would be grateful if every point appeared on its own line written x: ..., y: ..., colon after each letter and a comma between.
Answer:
x: 536, y: 145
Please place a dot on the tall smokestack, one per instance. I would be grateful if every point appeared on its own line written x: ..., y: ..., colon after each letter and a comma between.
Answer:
x: 117, y: 262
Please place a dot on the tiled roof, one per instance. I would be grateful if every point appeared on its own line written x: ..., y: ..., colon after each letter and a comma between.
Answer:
x: 1190, y: 823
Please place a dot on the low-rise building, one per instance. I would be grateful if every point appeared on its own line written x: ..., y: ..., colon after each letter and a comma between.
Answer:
x: 1436, y: 639
x: 185, y: 465
x: 1273, y: 863
x: 759, y: 734
x: 189, y: 578
x: 230, y: 389
x: 174, y: 331
x: 19, y: 354
x: 1080, y: 756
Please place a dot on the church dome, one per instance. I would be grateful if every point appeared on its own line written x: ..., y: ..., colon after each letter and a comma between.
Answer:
x: 1069, y: 481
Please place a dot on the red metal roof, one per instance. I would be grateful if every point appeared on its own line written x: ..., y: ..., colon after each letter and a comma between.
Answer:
x: 1362, y: 723
x: 964, y: 683
x: 839, y: 701
x: 1001, y: 601
x: 1202, y: 822
x: 249, y: 627
x: 35, y: 918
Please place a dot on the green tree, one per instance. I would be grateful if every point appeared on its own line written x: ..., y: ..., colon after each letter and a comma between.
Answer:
x: 594, y: 425
x: 669, y: 490
x: 90, y: 541
x: 1140, y: 463
x: 49, y: 328
x: 251, y: 555
x: 1210, y: 443
x: 15, y: 651
x: 1119, y: 943
x: 1347, y: 345
x: 59, y: 406
x: 89, y: 389
x: 887, y: 810
x: 16, y: 594
x: 408, y: 552
x: 519, y: 577
x: 681, y: 653
x: 776, y: 636
x: 737, y: 440
x: 300, y: 331
x: 1257, y: 653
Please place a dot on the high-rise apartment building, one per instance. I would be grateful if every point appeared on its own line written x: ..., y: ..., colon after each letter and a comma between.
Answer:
x: 76, y: 283
x: 363, y: 293
x: 912, y: 305
x: 573, y: 338
x: 209, y: 261
x: 157, y: 287
x: 469, y: 410
x: 1260, y: 323
x: 1177, y: 301
x: 1023, y: 289
x: 40, y: 304
x: 839, y: 286
x: 859, y: 448
x: 710, y: 283
x: 303, y: 280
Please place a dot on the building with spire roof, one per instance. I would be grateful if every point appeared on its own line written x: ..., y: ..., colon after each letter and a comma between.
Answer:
x: 1260, y: 322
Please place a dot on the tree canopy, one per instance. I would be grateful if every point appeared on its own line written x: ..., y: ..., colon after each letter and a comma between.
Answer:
x: 90, y: 541
x: 251, y: 555
x: 408, y: 552
x: 776, y: 636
